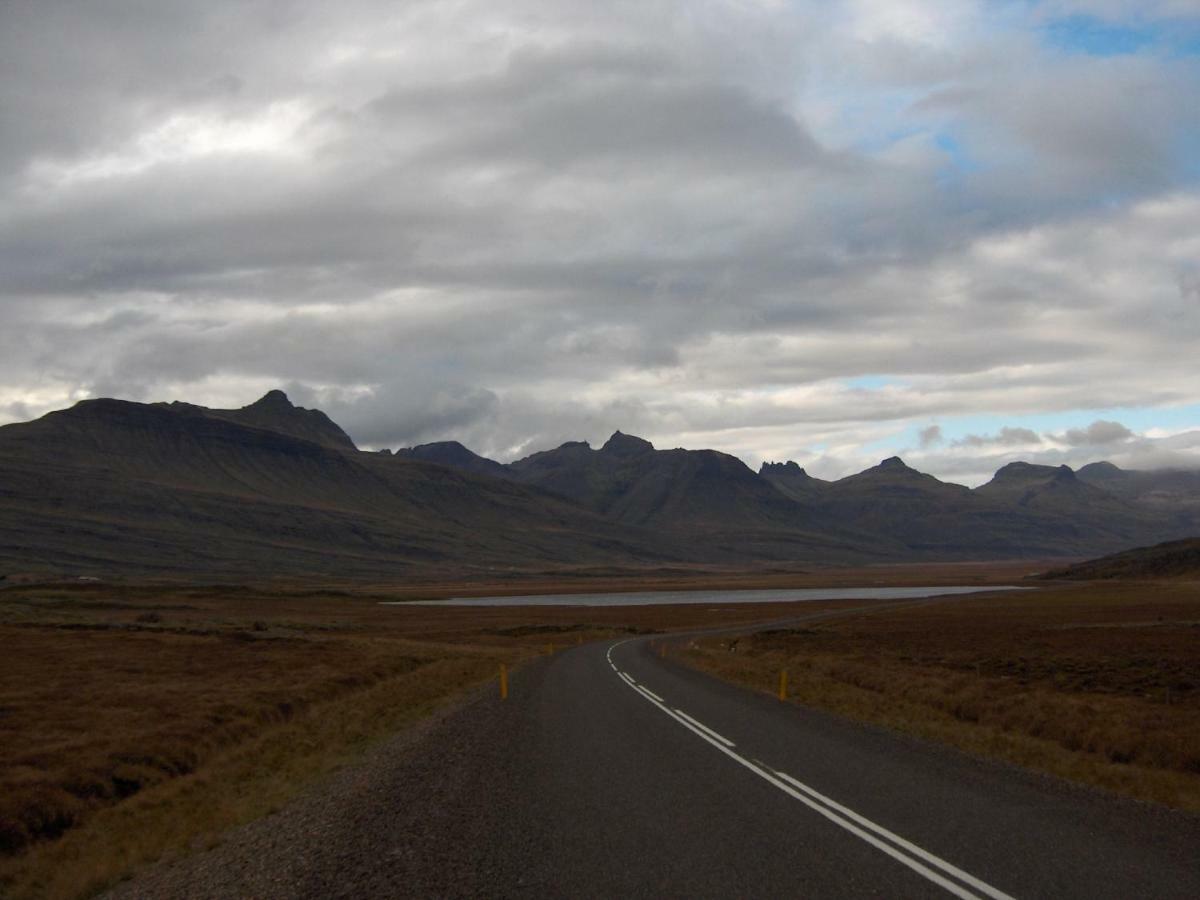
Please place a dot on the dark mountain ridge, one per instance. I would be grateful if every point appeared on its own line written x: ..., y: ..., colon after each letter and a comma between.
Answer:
x: 791, y: 480
x: 114, y: 486
x: 275, y: 412
x: 276, y: 490
x: 1025, y: 510
x: 454, y: 455
x: 711, y: 501
x: 1015, y: 515
x: 1162, y: 491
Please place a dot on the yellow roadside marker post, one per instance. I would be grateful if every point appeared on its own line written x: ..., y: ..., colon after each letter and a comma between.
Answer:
x: 503, y: 682
x: 783, y: 684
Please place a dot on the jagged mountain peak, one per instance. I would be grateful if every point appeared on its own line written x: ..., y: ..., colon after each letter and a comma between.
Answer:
x: 274, y: 411
x: 790, y: 468
x: 889, y: 468
x: 626, y: 445
x: 793, y: 481
x: 275, y: 399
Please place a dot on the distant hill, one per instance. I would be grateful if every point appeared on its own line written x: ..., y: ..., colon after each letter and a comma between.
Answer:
x: 1165, y: 492
x: 1171, y: 560
x: 1024, y: 511
x: 1075, y: 512
x: 631, y: 482
x: 275, y: 490
x: 696, y: 495
x: 888, y: 511
x: 110, y: 486
x: 930, y: 517
x: 275, y: 412
x: 1052, y: 488
x: 792, y: 481
x: 456, y: 456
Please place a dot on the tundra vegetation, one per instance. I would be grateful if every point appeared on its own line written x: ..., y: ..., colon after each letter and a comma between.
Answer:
x: 1098, y: 683
x: 138, y: 722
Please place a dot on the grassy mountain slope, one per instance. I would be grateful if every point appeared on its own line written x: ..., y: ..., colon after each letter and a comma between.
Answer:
x: 114, y: 486
x: 1170, y: 560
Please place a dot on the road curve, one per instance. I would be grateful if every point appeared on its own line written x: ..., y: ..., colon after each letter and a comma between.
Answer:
x: 610, y: 772
x: 656, y: 780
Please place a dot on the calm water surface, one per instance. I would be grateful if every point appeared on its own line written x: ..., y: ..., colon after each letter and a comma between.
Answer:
x: 651, y: 598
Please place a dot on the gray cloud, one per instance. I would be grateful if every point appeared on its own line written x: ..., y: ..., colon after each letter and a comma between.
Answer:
x: 1005, y: 437
x: 930, y: 436
x: 1189, y: 285
x: 519, y: 224
x: 1098, y: 433
x: 400, y: 415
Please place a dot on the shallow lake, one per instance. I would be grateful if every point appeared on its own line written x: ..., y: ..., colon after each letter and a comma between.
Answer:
x: 652, y: 598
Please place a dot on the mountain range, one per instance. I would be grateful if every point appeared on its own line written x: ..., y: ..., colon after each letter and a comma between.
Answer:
x: 275, y: 490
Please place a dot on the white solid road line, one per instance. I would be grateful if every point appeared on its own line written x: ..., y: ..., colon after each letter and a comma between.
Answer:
x: 724, y: 740
x: 901, y: 850
x: 649, y: 693
x: 912, y: 848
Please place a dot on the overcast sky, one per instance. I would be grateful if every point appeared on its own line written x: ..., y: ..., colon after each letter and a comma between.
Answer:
x: 966, y: 232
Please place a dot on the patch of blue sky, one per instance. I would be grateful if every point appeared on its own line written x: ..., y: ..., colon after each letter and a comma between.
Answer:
x: 871, y: 121
x: 872, y: 382
x: 873, y: 143
x: 959, y: 162
x: 1095, y: 36
x: 947, y: 142
x: 1188, y: 45
x: 1139, y: 419
x: 902, y: 441
x: 1187, y: 151
x: 956, y: 151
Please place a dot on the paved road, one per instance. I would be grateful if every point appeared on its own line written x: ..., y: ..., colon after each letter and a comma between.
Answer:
x: 653, y: 780
x: 610, y: 772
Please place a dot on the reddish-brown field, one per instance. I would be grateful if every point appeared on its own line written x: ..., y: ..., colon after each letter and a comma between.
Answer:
x: 138, y: 721
x: 1099, y: 682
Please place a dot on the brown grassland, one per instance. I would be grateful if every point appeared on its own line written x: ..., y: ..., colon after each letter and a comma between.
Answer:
x: 1099, y: 683
x: 139, y: 721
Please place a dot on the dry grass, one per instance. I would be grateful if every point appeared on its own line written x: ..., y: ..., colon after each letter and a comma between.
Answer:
x: 138, y: 721
x: 142, y: 721
x: 1100, y: 683
x: 134, y: 723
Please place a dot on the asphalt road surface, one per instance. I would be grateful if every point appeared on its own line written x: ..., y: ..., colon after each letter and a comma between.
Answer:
x: 655, y: 780
x: 610, y: 772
